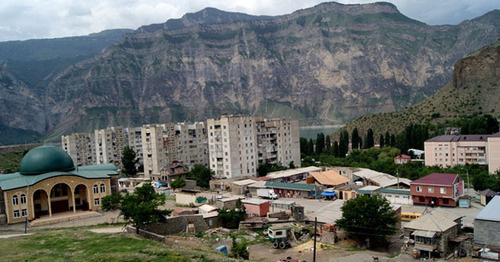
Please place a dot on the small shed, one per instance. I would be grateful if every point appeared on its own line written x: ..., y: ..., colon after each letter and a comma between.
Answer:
x: 282, y: 204
x: 241, y: 187
x: 255, y: 206
x: 189, y: 197
x: 227, y: 203
x: 402, y: 159
x: 486, y: 195
x: 368, y: 190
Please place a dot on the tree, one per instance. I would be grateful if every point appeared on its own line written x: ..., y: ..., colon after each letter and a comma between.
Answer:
x: 368, y: 216
x: 381, y: 141
x: 231, y: 218
x: 328, y: 143
x: 304, y: 147
x: 343, y: 143
x: 336, y: 152
x: 369, y: 141
x: 355, y: 139
x: 178, y: 183
x: 239, y: 250
x: 320, y: 143
x: 201, y: 174
x: 129, y: 161
x: 111, y: 202
x: 141, y: 207
x: 387, y: 139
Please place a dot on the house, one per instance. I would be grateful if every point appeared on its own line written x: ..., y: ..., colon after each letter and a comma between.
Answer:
x: 329, y: 178
x: 431, y: 233
x: 402, y: 159
x: 437, y: 189
x: 368, y: 190
x: 292, y: 189
x: 48, y: 182
x: 171, y: 172
x: 487, y: 225
x: 486, y: 195
x: 397, y: 196
x: 240, y: 187
x: 255, y: 206
x: 190, y: 198
x: 346, y: 192
x: 227, y: 202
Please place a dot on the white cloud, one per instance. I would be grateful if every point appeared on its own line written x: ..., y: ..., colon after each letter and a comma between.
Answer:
x: 24, y: 19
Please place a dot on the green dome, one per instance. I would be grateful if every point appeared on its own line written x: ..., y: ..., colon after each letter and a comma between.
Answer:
x: 45, y: 159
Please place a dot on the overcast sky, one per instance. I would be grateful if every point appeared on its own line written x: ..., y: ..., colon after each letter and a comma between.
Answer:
x: 28, y: 19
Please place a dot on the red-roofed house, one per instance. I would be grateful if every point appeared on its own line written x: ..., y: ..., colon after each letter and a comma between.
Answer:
x: 402, y: 159
x: 441, y: 189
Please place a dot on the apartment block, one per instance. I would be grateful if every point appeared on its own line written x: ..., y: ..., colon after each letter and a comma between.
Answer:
x: 81, y: 148
x: 135, y: 142
x: 238, y: 144
x: 109, y: 144
x: 493, y: 152
x: 168, y: 143
x: 451, y: 150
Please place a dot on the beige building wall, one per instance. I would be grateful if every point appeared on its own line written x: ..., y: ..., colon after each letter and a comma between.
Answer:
x: 456, y: 151
x: 27, y: 209
x: 192, y: 144
x: 80, y: 147
x: 494, y: 153
x: 158, y: 147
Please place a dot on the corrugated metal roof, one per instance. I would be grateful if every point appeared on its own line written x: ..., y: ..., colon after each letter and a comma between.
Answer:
x: 456, y: 138
x: 17, y: 180
x: 431, y: 222
x: 442, y: 179
x: 491, y: 211
x: 254, y: 201
x: 395, y: 191
x: 421, y: 233
x: 329, y: 178
x: 244, y: 182
x: 291, y: 172
x: 291, y: 186
x: 382, y: 179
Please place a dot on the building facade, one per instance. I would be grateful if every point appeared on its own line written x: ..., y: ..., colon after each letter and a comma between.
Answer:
x: 437, y: 189
x: 493, y: 153
x: 238, y: 144
x: 109, y: 144
x: 81, y: 148
x: 48, y: 183
x: 452, y: 150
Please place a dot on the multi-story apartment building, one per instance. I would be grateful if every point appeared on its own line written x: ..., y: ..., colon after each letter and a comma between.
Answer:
x: 135, y: 142
x: 109, y: 144
x: 493, y: 152
x: 237, y: 144
x: 166, y: 143
x: 451, y: 150
x: 81, y: 148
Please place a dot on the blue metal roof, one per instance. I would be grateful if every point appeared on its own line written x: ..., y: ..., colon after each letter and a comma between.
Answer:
x: 491, y: 210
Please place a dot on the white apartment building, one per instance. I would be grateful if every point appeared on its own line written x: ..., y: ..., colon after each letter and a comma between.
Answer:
x: 81, y: 148
x: 237, y: 144
x: 109, y: 144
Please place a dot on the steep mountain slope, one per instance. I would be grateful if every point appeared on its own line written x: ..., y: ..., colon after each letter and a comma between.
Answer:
x: 37, y: 61
x: 330, y: 64
x: 475, y: 89
x: 22, y: 117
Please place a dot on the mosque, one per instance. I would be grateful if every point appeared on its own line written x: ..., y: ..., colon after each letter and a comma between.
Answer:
x: 48, y: 183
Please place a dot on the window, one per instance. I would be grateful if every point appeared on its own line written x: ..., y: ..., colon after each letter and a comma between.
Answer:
x: 103, y: 188
x: 16, y: 213
x: 430, y: 189
x: 25, y: 212
x: 442, y: 190
x: 23, y: 199
x: 96, y: 189
x: 14, y: 200
x: 419, y: 189
x: 96, y: 201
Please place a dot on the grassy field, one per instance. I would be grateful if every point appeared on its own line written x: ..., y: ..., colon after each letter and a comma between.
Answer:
x: 82, y: 245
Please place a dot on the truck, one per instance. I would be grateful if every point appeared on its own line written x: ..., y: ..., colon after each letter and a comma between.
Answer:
x: 280, y: 235
x: 266, y: 193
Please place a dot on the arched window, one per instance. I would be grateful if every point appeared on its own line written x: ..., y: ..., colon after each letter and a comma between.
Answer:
x: 23, y: 199
x: 14, y: 200
x: 96, y: 189
x: 103, y: 188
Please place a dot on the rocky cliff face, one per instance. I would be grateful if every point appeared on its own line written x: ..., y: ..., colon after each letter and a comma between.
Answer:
x: 329, y: 64
x: 475, y: 89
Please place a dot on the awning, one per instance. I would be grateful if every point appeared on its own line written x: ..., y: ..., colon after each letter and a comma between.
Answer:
x: 428, y: 234
x: 328, y: 193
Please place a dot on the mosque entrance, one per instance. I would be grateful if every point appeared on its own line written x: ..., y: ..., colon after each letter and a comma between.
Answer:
x: 60, y: 198
x: 81, y: 199
x: 41, y: 203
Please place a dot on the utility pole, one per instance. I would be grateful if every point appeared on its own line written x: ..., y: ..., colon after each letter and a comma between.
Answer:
x: 314, y: 249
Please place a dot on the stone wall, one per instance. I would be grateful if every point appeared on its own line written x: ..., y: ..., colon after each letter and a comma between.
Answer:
x: 486, y: 233
x: 178, y: 224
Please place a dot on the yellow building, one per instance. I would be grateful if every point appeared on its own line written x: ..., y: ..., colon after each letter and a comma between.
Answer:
x: 48, y: 183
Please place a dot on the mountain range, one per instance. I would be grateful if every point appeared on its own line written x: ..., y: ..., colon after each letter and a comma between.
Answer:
x: 327, y: 64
